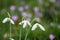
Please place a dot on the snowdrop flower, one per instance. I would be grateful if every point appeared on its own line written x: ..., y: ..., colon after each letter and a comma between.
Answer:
x: 12, y: 7
x: 51, y: 36
x: 25, y: 23
x: 11, y: 39
x: 36, y: 25
x: 8, y: 19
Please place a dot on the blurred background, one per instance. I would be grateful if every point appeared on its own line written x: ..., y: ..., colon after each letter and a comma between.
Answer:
x: 46, y: 12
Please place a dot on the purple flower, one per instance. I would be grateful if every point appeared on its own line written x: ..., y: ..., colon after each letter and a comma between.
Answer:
x: 51, y: 36
x: 36, y: 9
x: 25, y: 14
x: 26, y: 7
x: 58, y: 0
x: 12, y: 7
x: 15, y: 17
x: 21, y: 9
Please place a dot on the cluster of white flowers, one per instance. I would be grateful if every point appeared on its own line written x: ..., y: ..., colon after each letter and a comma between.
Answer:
x: 25, y: 23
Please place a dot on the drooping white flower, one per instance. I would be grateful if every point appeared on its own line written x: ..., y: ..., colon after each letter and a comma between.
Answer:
x: 5, y: 20
x: 38, y: 25
x: 8, y: 19
x: 11, y: 39
x: 25, y: 23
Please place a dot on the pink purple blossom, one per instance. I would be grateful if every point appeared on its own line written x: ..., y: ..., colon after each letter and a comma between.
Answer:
x: 21, y: 9
x: 15, y: 17
x: 12, y: 7
x: 36, y: 9
x: 51, y: 36
x: 26, y: 7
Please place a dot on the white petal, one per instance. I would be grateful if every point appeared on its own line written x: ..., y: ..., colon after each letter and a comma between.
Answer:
x: 21, y: 22
x: 41, y: 27
x: 28, y: 23
x: 11, y: 39
x: 24, y: 25
x: 25, y: 22
x: 34, y: 27
x: 5, y: 20
x: 11, y: 21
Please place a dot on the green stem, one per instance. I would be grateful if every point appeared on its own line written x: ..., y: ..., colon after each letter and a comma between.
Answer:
x: 28, y: 30
x: 10, y: 30
x: 27, y: 34
x: 8, y: 14
x: 10, y: 23
x: 20, y: 34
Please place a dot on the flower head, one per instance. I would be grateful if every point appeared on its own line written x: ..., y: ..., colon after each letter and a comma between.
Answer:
x: 40, y: 26
x: 8, y: 19
x: 26, y: 7
x: 51, y: 36
x: 12, y: 7
x: 24, y: 14
x: 36, y: 9
x: 15, y: 17
x: 25, y: 23
x: 11, y: 39
x: 21, y: 9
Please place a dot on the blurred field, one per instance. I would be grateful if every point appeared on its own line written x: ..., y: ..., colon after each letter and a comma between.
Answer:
x: 46, y: 12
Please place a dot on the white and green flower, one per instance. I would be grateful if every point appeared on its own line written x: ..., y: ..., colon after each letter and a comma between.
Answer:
x: 38, y: 25
x: 8, y: 19
x: 25, y: 23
